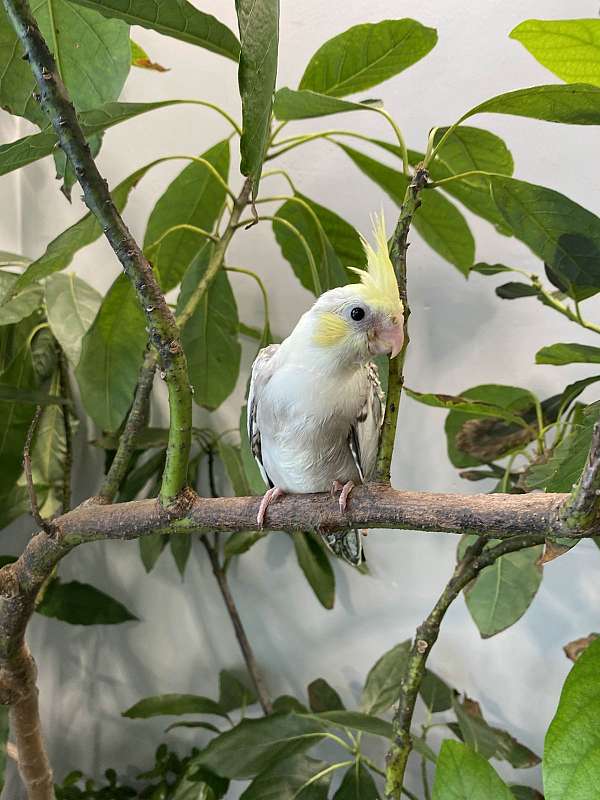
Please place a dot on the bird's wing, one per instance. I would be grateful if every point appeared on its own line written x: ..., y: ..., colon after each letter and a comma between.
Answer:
x: 363, y: 438
x: 262, y: 370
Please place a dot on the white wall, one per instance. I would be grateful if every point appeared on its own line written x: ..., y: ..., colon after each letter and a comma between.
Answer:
x: 461, y: 335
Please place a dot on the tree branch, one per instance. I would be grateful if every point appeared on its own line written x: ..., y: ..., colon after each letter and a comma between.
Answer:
x: 240, y: 633
x: 398, y: 250
x: 163, y: 332
x: 476, y: 559
x: 137, y: 419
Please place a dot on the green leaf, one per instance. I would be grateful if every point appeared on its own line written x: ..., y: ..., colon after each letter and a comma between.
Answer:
x: 210, y: 338
x: 233, y: 693
x: 13, y: 259
x: 575, y: 104
x: 463, y: 405
x: 22, y: 305
x: 285, y: 780
x: 50, y: 449
x: 570, y: 48
x: 322, y: 697
x: 357, y: 721
x: 357, y: 784
x: 60, y: 251
x: 315, y: 565
x: 13, y: 503
x: 258, y: 22
x: 92, y: 55
x: 173, y: 704
x: 566, y: 463
x: 382, y: 687
x: 365, y: 55
x: 438, y: 221
x: 343, y: 237
x: 255, y: 744
x: 468, y: 149
x: 462, y: 774
x: 240, y: 542
x: 436, y: 693
x: 180, y: 20
x: 181, y: 547
x: 39, y: 145
x: 82, y: 604
x: 290, y: 104
x: 286, y: 703
x: 111, y: 356
x: 231, y: 457
x: 151, y: 547
x: 503, y: 592
x: 138, y: 478
x: 571, y: 765
x: 490, y: 269
x: 562, y: 233
x: 513, y: 290
x: 34, y: 397
x: 71, y: 306
x: 205, y: 725
x: 493, y: 438
x: 490, y: 742
x: 194, y: 197
x: 15, y: 416
x: 568, y: 353
x: 329, y: 268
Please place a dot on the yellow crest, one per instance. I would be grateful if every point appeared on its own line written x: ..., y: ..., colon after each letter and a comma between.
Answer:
x: 379, y: 285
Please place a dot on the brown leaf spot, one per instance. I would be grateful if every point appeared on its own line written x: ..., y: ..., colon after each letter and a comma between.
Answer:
x: 575, y: 648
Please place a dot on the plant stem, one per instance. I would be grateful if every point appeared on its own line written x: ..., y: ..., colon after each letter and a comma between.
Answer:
x: 240, y: 633
x: 218, y: 255
x: 65, y: 391
x: 163, y: 332
x: 475, y: 559
x: 44, y: 524
x: 137, y: 419
x: 398, y: 250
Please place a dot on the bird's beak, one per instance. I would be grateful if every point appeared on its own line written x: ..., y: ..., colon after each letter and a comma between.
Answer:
x: 387, y: 338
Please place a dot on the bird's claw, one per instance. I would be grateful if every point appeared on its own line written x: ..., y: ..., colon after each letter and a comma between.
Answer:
x: 344, y: 489
x: 269, y: 497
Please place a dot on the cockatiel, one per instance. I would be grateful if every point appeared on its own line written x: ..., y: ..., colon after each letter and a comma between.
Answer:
x: 315, y: 405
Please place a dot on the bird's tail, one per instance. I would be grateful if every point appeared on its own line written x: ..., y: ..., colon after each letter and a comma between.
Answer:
x: 346, y: 545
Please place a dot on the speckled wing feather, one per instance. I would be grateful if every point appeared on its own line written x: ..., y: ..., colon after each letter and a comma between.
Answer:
x: 363, y: 440
x: 262, y: 370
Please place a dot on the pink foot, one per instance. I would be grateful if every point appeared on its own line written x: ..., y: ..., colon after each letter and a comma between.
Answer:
x: 344, y: 489
x: 269, y: 497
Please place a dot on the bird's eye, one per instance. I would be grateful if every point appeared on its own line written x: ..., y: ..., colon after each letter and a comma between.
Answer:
x: 357, y: 313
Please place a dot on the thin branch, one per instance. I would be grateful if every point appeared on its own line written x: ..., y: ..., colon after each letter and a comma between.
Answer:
x: 44, y: 524
x: 398, y: 250
x: 240, y: 633
x: 137, y: 419
x: 65, y: 391
x: 581, y: 511
x: 475, y: 560
x: 163, y: 331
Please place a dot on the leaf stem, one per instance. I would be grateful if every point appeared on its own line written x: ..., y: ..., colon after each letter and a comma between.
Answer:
x: 265, y: 298
x: 311, y: 261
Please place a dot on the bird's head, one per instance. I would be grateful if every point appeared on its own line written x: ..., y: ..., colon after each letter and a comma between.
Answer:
x: 363, y: 319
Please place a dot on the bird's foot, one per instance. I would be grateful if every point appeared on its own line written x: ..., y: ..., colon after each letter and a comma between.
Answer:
x: 344, y: 489
x: 269, y: 497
